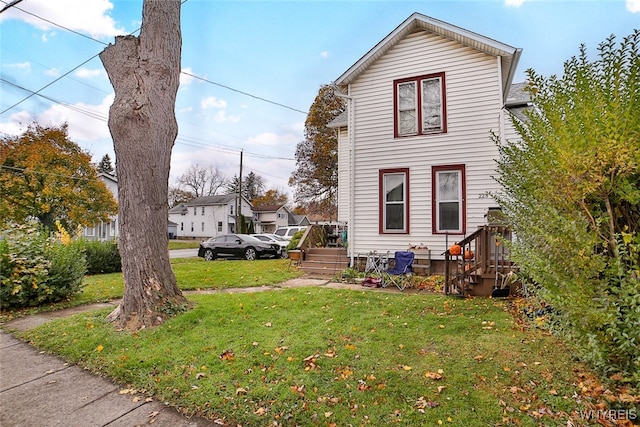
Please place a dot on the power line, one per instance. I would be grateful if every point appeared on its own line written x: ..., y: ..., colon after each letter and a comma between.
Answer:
x: 182, y: 140
x: 242, y: 92
x: 106, y: 44
x: 12, y: 4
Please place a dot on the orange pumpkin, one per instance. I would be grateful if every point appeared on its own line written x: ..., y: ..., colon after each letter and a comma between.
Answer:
x: 468, y: 254
x: 455, y: 249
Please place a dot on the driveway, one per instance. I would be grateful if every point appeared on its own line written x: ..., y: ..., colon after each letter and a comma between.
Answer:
x: 183, y: 253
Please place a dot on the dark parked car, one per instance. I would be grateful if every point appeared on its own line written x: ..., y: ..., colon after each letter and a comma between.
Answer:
x: 236, y: 246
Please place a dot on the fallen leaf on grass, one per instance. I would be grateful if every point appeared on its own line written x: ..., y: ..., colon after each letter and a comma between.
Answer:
x: 281, y: 349
x: 433, y: 375
x: 227, y: 355
x: 298, y: 389
x: 310, y: 362
x: 422, y: 403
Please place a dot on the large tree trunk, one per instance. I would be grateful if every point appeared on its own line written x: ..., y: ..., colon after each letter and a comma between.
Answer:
x: 145, y: 74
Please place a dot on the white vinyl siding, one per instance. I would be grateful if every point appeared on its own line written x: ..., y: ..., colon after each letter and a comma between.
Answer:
x: 473, y: 103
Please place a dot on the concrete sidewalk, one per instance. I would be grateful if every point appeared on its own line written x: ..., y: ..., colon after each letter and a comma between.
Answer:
x: 38, y: 390
x: 41, y: 390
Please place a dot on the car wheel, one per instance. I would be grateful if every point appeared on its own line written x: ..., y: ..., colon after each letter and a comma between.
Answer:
x: 250, y: 254
x: 209, y: 255
x: 284, y: 253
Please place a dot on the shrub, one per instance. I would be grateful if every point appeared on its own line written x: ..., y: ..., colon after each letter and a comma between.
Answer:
x: 102, y: 257
x: 67, y: 269
x: 295, y: 239
x: 36, y: 269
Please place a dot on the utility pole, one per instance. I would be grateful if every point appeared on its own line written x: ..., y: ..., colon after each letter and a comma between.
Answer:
x: 239, y: 198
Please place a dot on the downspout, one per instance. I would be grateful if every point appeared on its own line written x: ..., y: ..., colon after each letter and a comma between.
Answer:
x: 352, y: 175
x: 502, y: 101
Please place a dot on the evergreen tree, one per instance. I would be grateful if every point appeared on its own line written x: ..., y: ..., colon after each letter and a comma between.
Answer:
x: 105, y: 165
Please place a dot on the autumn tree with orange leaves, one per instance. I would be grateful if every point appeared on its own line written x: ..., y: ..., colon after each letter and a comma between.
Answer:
x: 43, y: 174
x: 315, y: 178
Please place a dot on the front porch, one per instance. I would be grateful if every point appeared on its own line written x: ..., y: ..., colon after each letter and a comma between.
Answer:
x: 481, y: 268
x: 482, y: 265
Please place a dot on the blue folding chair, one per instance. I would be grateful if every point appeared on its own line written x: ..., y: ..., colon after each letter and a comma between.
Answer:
x: 401, y: 271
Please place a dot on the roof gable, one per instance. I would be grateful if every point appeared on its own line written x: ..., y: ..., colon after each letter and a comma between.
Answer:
x: 222, y: 199
x: 269, y: 208
x: 418, y: 22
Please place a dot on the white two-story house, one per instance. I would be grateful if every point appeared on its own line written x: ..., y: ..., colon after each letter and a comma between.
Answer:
x: 415, y: 155
x: 269, y: 218
x: 105, y: 230
x: 209, y: 216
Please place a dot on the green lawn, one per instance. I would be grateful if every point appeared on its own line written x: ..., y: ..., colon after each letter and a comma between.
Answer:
x: 319, y: 356
x: 191, y: 273
x: 196, y: 273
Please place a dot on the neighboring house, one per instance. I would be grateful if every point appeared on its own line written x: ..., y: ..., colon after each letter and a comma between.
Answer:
x: 269, y: 218
x: 209, y: 216
x: 300, y: 220
x: 172, y: 229
x: 105, y: 230
x: 415, y: 154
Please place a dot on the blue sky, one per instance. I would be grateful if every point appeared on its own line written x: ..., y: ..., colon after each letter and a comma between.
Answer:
x: 263, y: 62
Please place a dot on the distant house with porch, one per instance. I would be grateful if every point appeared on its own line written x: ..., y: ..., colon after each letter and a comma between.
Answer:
x: 415, y: 154
x: 104, y: 230
x: 209, y: 216
x: 269, y: 218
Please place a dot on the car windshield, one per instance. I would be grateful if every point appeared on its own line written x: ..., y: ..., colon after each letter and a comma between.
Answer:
x: 276, y: 237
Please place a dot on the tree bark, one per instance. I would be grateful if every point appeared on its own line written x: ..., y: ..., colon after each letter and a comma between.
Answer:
x: 145, y: 74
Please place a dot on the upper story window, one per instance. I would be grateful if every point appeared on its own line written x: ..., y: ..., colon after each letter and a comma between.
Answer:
x: 202, y: 210
x: 420, y: 105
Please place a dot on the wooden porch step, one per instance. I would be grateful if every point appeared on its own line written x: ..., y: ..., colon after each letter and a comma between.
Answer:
x: 324, y: 262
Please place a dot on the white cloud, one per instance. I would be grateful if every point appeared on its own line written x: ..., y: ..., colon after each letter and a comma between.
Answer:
x: 324, y: 54
x: 88, y: 128
x: 186, y: 80
x: 22, y: 66
x: 86, y: 16
x: 272, y: 139
x: 86, y: 73
x: 52, y: 72
x: 222, y: 117
x: 213, y: 102
x: 633, y: 6
x: 514, y: 3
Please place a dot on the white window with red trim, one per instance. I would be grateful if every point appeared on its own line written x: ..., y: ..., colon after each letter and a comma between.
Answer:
x: 419, y: 105
x: 394, y: 201
x: 448, y: 195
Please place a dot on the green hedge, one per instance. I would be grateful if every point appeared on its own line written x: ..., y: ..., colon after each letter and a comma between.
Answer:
x: 102, y: 257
